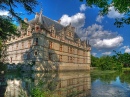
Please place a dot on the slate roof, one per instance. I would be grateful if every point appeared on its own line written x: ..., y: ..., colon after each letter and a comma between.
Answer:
x: 47, y: 22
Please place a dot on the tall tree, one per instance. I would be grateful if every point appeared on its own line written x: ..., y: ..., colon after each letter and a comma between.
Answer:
x: 122, y: 6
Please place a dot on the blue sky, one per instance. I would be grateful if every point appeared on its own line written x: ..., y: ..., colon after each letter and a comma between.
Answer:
x: 104, y: 37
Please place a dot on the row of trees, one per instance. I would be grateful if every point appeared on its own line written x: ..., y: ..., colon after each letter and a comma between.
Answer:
x: 115, y: 62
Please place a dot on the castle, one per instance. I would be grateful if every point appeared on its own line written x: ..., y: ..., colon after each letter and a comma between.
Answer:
x: 49, y: 45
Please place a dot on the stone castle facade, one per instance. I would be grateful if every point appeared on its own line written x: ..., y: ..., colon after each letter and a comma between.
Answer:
x: 48, y: 44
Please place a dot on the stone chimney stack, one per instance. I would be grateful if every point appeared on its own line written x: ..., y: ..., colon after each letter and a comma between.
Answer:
x: 36, y: 15
x: 59, y: 21
x: 25, y: 20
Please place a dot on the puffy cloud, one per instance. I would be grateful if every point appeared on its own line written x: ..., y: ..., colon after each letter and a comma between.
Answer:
x: 3, y: 12
x: 99, y: 18
x: 106, y: 53
x: 83, y: 7
x: 94, y: 54
x: 114, y: 13
x: 76, y: 20
x: 100, y: 38
x: 127, y: 49
x: 107, y: 43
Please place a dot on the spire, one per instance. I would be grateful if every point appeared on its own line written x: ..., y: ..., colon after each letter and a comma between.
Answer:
x: 40, y: 17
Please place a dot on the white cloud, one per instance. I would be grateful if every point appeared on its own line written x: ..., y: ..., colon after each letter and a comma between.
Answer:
x: 100, y: 38
x: 76, y: 20
x: 83, y: 7
x: 99, y: 18
x: 127, y: 49
x: 114, y: 13
x: 94, y: 54
x: 106, y: 53
x: 3, y: 12
x: 107, y: 43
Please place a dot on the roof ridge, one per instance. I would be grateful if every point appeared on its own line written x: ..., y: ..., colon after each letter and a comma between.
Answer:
x: 53, y: 20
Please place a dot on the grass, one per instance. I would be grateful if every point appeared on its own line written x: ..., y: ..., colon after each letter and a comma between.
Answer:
x: 100, y: 72
x: 125, y: 69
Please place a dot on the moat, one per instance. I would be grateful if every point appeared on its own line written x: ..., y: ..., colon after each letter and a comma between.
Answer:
x: 68, y: 84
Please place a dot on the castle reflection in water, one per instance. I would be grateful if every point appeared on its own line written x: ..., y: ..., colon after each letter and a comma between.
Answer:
x: 64, y: 84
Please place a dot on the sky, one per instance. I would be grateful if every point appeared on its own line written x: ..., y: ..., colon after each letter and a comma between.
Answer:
x: 103, y: 35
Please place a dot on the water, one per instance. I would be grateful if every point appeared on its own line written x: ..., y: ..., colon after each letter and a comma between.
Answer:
x: 67, y: 84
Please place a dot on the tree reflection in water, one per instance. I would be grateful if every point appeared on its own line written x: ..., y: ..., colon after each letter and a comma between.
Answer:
x: 116, y: 84
x: 70, y: 84
x: 64, y: 84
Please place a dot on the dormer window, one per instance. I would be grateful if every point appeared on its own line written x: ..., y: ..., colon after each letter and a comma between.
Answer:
x: 28, y: 33
x: 37, y: 28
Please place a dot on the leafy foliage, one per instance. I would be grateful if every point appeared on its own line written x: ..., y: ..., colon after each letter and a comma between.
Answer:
x: 122, y: 6
x: 7, y: 28
x: 115, y: 62
x: 9, y: 5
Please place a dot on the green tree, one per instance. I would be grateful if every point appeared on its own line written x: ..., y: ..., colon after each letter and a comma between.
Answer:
x: 94, y: 61
x: 122, y: 6
x: 6, y: 26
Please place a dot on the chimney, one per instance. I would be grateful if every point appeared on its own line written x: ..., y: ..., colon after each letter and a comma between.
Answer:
x: 36, y: 15
x: 25, y: 20
x: 59, y: 21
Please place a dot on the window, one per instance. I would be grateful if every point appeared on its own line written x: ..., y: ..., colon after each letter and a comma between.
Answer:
x: 35, y: 53
x: 60, y: 57
x: 17, y: 46
x: 70, y: 34
x: 71, y: 59
x: 71, y: 51
x: 36, y: 41
x: 77, y: 60
x: 83, y: 53
x: 49, y: 56
x: 16, y: 57
x: 77, y: 52
x: 50, y: 44
x: 12, y: 48
x: 61, y: 47
x: 22, y: 45
x: 11, y: 58
x: 37, y: 28
x: 28, y: 56
x: 68, y: 49
x: 68, y: 58
x: 29, y: 33
x: 84, y: 60
x: 29, y: 43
